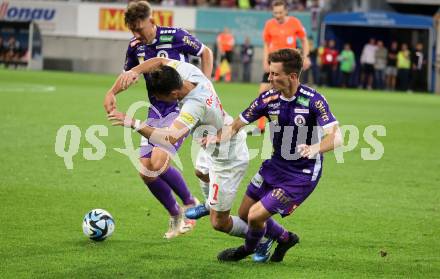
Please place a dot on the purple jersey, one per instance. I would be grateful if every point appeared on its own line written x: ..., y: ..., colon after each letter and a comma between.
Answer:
x: 294, y: 121
x: 172, y: 43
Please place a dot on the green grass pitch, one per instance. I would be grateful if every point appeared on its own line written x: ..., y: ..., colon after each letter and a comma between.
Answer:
x: 367, y: 218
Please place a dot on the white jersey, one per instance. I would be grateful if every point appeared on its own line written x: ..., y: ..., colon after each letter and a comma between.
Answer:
x: 226, y: 163
x: 201, y: 106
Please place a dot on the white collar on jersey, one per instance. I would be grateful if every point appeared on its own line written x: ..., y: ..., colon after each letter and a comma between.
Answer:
x: 287, y: 99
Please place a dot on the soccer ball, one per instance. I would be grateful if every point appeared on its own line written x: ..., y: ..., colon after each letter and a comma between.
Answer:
x: 98, y: 224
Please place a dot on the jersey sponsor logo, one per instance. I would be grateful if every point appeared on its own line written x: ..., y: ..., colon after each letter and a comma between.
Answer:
x: 303, y: 101
x: 173, y: 64
x: 164, y: 46
x: 187, y: 41
x: 299, y: 120
x: 166, y: 38
x: 187, y: 118
x: 289, y: 40
x: 301, y: 110
x: 320, y: 106
x: 274, y: 112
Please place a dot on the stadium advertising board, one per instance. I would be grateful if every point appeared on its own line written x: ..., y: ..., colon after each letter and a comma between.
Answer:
x: 112, y: 19
x: 107, y: 20
x: 53, y: 18
x: 242, y: 24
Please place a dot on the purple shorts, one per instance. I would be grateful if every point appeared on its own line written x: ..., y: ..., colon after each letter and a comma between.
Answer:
x: 158, y: 121
x: 283, y: 200
x: 146, y: 150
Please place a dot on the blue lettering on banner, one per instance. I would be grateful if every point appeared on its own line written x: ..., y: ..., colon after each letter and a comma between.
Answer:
x: 25, y: 13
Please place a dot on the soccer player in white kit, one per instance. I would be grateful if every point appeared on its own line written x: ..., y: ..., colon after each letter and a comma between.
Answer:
x: 201, y: 113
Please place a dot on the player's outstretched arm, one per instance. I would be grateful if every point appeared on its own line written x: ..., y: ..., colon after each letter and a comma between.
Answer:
x: 161, y: 136
x: 110, y: 96
x: 132, y: 76
x: 331, y: 140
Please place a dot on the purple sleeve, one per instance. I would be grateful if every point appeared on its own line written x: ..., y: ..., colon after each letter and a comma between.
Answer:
x: 257, y: 109
x: 131, y: 59
x: 187, y: 43
x: 324, y: 116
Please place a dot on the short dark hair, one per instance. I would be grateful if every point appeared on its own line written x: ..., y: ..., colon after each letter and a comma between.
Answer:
x: 163, y: 80
x: 291, y: 59
x: 136, y: 11
x: 279, y: 3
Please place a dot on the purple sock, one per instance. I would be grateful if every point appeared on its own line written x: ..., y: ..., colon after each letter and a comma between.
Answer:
x: 161, y: 190
x: 175, y: 180
x: 253, y: 237
x: 276, y: 231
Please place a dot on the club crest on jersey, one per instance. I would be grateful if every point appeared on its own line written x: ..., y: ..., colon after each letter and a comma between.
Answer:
x: 299, y: 120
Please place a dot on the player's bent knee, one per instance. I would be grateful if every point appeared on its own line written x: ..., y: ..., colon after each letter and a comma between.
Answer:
x: 254, y: 217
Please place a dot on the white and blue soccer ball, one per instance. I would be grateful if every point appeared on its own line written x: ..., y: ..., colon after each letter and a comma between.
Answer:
x: 98, y: 224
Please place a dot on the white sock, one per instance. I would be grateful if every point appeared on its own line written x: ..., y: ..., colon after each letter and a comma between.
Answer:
x: 204, y: 186
x: 239, y: 227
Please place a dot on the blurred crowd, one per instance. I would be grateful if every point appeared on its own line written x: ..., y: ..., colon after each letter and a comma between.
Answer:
x: 393, y: 67
x: 11, y: 52
x: 294, y: 5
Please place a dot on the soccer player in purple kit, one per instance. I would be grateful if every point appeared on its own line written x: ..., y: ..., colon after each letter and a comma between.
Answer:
x: 302, y: 128
x: 151, y: 40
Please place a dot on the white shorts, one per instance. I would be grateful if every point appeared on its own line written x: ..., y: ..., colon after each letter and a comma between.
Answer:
x: 225, y: 172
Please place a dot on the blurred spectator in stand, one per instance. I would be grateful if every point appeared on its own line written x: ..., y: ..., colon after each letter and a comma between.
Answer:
x: 347, y: 65
x: 315, y: 12
x: 168, y: 3
x: 262, y: 5
x: 403, y: 68
x: 247, y: 54
x: 367, y: 62
x: 244, y: 4
x: 295, y: 5
x: 227, y: 4
x: 12, y: 54
x: 225, y: 45
x: 202, y: 3
x: 380, y: 62
x: 2, y: 50
x: 329, y: 63
x: 418, y: 63
x: 391, y: 70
